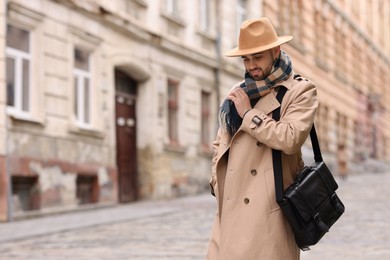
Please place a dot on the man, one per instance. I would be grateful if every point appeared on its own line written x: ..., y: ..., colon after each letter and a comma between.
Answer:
x: 249, y: 224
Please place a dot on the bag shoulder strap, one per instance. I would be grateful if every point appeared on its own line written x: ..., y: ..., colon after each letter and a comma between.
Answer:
x: 316, y: 145
x: 277, y: 155
x: 281, y: 92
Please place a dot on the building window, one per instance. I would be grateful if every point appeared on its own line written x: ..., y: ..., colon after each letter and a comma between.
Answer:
x: 82, y: 87
x: 359, y: 140
x: 174, y: 24
x: 356, y: 10
x: 340, y: 58
x: 343, y: 54
x: 291, y: 20
x: 25, y: 191
x: 18, y: 69
x: 322, y: 124
x: 173, y: 109
x: 321, y: 40
x: 136, y: 8
x: 284, y: 15
x: 205, y: 119
x: 241, y: 14
x: 87, y: 189
x: 356, y: 71
x: 341, y: 128
x: 204, y: 14
x: 171, y: 7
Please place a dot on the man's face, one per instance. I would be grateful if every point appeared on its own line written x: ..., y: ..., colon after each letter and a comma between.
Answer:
x: 259, y: 64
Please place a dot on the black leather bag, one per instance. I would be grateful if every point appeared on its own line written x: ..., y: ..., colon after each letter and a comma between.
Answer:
x: 310, y: 204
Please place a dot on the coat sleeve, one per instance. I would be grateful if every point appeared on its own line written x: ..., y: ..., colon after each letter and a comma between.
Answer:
x: 298, y: 110
x: 215, y: 152
x: 213, y: 178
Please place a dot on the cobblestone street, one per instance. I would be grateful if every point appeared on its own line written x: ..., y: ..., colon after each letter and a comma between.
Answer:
x: 363, y: 232
x: 179, y: 229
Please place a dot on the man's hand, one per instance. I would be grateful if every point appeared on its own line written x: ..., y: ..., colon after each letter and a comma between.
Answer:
x: 240, y: 99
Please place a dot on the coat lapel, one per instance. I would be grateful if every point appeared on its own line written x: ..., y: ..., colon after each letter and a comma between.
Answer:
x: 268, y: 103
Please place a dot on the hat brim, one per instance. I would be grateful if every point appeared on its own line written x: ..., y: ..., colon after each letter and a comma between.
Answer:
x: 237, y: 52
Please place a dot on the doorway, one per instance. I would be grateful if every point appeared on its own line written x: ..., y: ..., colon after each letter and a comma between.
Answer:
x: 126, y: 136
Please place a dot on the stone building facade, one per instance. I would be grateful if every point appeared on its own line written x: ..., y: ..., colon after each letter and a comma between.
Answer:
x: 115, y: 101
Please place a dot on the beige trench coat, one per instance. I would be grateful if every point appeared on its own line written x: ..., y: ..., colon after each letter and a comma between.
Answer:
x: 249, y: 223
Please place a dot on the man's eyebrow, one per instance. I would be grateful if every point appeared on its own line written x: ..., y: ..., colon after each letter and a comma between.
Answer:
x: 254, y: 54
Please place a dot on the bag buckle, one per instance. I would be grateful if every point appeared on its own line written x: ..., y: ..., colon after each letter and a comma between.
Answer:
x: 320, y: 223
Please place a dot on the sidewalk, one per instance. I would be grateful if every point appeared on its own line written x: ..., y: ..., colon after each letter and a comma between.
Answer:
x: 22, y: 229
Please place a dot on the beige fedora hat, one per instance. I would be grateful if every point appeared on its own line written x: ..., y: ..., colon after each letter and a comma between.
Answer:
x: 257, y: 35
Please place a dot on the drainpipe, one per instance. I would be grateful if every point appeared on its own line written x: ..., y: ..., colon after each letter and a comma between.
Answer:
x: 6, y: 156
x: 217, y: 71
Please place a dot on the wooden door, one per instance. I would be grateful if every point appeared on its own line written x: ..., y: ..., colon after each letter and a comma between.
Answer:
x: 126, y: 137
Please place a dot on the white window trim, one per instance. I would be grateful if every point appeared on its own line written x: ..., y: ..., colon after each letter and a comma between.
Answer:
x: 87, y: 42
x: 171, y: 12
x: 171, y: 7
x: 27, y: 19
x: 204, y: 11
x: 241, y: 9
x: 81, y: 76
x: 19, y: 56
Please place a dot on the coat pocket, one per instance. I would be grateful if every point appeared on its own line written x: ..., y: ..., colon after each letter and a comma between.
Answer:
x: 270, y: 186
x: 213, y: 185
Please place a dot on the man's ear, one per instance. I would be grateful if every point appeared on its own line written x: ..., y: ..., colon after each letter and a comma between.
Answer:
x: 276, y: 52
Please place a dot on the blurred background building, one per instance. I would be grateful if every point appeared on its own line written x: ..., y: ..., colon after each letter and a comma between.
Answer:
x: 114, y: 101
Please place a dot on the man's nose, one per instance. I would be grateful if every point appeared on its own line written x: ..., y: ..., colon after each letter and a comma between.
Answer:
x: 252, y: 64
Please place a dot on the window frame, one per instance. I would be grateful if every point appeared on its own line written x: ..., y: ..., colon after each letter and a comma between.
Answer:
x: 173, y: 112
x: 205, y: 110
x: 80, y: 77
x: 88, y: 43
x: 204, y: 14
x: 242, y: 13
x: 18, y: 56
x: 172, y: 7
x: 31, y: 21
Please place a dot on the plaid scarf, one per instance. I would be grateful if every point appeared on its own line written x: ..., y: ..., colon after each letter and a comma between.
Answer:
x: 281, y: 70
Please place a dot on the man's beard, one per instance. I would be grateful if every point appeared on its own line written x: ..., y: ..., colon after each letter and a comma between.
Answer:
x: 263, y: 74
x: 257, y: 78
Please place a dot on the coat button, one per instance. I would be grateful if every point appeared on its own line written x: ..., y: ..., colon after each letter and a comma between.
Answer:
x: 246, y: 200
x: 253, y: 172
